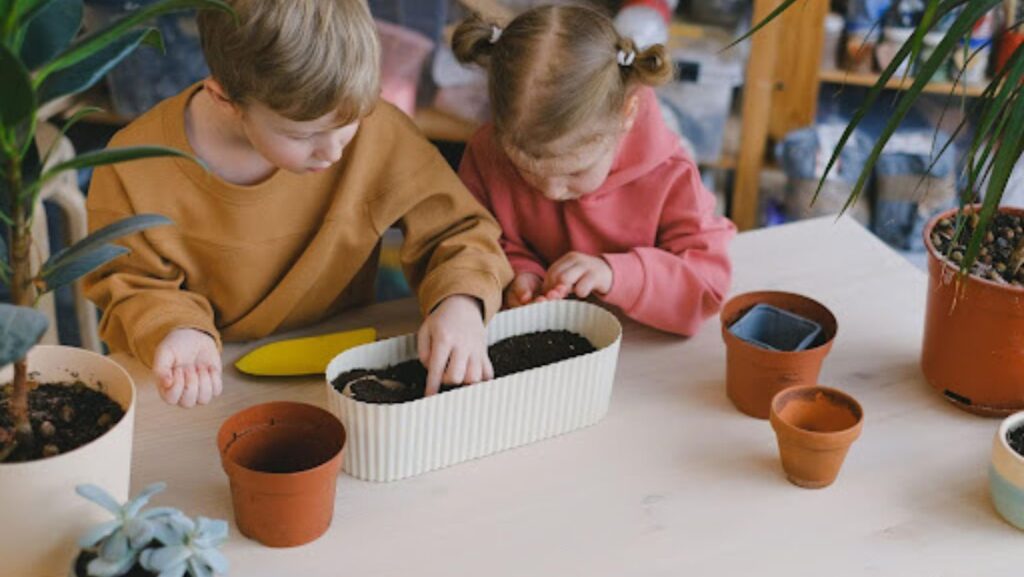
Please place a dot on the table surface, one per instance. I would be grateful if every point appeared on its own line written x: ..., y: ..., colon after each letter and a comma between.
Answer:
x: 674, y: 480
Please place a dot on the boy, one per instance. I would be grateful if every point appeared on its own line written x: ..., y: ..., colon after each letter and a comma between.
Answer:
x: 307, y: 169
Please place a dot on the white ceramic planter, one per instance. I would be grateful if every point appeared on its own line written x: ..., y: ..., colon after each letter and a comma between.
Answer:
x: 41, y: 516
x: 391, y: 442
x: 1006, y: 474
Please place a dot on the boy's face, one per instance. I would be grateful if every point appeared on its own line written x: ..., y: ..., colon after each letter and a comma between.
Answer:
x: 296, y: 146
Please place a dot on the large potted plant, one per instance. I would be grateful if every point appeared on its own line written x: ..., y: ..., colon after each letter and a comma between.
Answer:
x: 973, y: 349
x: 65, y: 414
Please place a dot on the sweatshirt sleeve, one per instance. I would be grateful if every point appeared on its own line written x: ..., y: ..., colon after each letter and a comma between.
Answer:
x: 451, y: 242
x: 676, y: 285
x: 522, y: 258
x: 141, y: 293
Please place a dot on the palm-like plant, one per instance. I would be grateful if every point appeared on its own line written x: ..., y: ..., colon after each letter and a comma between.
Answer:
x: 997, y: 143
x: 42, y: 59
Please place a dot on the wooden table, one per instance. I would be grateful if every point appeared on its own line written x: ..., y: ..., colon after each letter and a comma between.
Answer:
x: 674, y: 481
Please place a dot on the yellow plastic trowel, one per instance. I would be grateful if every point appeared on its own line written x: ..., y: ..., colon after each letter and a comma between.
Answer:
x: 305, y: 356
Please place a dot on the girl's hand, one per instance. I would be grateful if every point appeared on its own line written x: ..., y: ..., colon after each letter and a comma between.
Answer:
x: 452, y: 344
x: 579, y: 274
x: 187, y: 367
x: 524, y: 288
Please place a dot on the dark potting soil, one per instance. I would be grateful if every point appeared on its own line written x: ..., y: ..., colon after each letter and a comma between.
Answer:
x: 82, y: 564
x: 407, y: 381
x: 63, y: 417
x: 1015, y: 437
x: 995, y: 261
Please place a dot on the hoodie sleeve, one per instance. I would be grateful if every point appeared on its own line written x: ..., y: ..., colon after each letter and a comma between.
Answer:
x: 679, y: 283
x: 141, y: 294
x: 520, y: 256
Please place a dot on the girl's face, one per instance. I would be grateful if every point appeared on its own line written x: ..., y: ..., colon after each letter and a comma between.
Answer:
x: 572, y: 172
x: 578, y: 163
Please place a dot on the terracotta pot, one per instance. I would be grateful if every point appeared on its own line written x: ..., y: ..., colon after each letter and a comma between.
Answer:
x: 753, y: 374
x: 282, y: 459
x: 973, y: 352
x: 1006, y: 474
x: 815, y: 427
x: 42, y: 515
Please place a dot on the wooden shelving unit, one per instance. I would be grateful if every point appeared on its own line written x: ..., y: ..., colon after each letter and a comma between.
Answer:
x: 859, y: 79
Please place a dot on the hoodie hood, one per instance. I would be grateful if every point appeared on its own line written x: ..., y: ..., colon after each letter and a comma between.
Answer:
x: 648, y: 144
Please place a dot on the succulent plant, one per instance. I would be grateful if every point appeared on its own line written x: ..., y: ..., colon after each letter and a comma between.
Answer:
x: 189, y: 547
x: 162, y: 540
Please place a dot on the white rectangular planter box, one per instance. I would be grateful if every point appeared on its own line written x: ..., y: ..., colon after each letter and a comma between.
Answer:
x: 387, y: 442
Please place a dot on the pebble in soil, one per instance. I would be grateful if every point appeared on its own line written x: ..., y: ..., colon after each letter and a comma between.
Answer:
x: 995, y: 260
x: 407, y: 381
x: 63, y: 417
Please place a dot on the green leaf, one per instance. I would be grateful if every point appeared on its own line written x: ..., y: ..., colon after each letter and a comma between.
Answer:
x: 75, y: 119
x: 20, y: 330
x: 83, y: 264
x: 113, y: 156
x: 767, y: 20
x: 49, y: 31
x: 82, y: 75
x: 94, y: 43
x: 93, y: 251
x: 17, y: 101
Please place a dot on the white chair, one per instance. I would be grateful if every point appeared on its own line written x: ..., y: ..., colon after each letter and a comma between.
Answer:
x: 63, y: 192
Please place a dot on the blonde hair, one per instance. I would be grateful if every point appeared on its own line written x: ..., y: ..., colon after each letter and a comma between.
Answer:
x: 301, y: 58
x: 555, y: 68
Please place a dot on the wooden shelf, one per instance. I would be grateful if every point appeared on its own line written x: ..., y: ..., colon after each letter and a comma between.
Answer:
x: 860, y: 79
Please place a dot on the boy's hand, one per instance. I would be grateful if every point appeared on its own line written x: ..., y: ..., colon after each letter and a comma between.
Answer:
x: 524, y: 288
x: 187, y: 367
x: 579, y: 274
x: 452, y: 344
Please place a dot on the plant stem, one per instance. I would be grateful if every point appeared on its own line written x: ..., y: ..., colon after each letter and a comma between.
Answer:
x: 22, y: 294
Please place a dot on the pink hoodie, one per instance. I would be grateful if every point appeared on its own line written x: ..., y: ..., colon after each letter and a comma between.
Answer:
x: 652, y: 220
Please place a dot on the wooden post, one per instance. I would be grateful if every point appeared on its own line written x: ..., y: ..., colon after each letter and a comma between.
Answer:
x: 757, y: 103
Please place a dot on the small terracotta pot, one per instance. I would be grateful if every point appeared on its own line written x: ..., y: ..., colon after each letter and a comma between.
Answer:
x: 1006, y: 474
x: 973, y: 351
x: 815, y: 427
x: 753, y: 374
x: 282, y: 459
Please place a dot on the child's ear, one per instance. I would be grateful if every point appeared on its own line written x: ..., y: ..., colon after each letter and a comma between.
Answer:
x: 219, y: 96
x: 629, y: 112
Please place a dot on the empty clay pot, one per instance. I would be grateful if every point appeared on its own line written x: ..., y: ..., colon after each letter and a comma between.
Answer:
x: 282, y: 459
x: 815, y: 427
x: 754, y: 374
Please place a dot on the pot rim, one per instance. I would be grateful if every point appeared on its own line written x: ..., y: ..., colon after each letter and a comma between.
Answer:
x: 128, y: 410
x: 233, y: 467
x: 852, y: 431
x: 1014, y: 420
x: 734, y: 341
x: 946, y: 265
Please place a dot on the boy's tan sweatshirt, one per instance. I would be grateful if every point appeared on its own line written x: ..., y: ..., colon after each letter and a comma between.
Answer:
x: 242, y: 262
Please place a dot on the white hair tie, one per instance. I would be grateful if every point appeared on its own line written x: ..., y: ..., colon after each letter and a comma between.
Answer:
x: 495, y: 33
x: 625, y: 58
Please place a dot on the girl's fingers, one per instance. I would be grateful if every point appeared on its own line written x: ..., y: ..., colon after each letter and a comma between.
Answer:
x: 217, y: 381
x: 173, y: 393
x: 488, y: 369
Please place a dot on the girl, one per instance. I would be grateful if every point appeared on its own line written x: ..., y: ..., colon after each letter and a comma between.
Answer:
x: 593, y: 192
